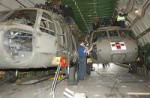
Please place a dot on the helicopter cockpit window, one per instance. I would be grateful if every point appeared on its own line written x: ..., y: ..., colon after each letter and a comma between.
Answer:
x: 113, y: 33
x: 99, y: 36
x: 125, y: 33
x: 46, y: 16
x: 122, y: 34
x: 27, y: 17
x: 46, y: 24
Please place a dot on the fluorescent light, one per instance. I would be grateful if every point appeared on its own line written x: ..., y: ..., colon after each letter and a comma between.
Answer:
x: 136, y: 11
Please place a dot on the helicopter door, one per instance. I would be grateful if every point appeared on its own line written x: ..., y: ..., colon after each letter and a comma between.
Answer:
x: 47, y: 41
x: 61, y: 36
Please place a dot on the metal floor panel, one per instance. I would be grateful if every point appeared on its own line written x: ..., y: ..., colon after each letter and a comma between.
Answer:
x: 112, y: 82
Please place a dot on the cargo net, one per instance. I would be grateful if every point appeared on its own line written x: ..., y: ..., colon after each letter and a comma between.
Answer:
x: 18, y: 44
x: 65, y: 10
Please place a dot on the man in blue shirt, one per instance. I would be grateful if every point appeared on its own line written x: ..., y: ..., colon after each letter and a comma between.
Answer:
x: 82, y: 60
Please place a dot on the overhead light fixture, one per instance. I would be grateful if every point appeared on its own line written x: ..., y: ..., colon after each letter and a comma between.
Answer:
x: 138, y: 11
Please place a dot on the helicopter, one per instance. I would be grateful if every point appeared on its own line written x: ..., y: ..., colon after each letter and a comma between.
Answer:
x: 34, y: 38
x: 113, y: 45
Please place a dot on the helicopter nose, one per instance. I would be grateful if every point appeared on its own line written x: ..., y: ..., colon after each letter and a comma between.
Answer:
x: 18, y: 44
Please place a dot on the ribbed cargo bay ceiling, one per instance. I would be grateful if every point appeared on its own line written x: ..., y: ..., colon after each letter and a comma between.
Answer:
x: 86, y: 10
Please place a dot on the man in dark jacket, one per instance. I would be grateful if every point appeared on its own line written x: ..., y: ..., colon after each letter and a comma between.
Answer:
x: 96, y: 24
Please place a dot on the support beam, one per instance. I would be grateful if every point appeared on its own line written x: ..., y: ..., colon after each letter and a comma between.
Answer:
x: 94, y: 2
x: 144, y: 8
x: 143, y: 33
x: 20, y: 3
x: 5, y: 6
x: 31, y: 2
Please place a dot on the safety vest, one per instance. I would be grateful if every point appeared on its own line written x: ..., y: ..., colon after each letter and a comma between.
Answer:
x: 120, y: 18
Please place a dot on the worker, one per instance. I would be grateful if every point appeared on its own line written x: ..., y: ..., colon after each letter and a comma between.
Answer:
x: 121, y: 18
x: 82, y: 60
x: 82, y: 51
x: 96, y: 24
x: 106, y: 22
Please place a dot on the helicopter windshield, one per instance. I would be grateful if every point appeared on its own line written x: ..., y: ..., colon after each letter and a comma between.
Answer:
x: 99, y: 35
x: 27, y: 17
x: 113, y: 33
x: 126, y: 33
